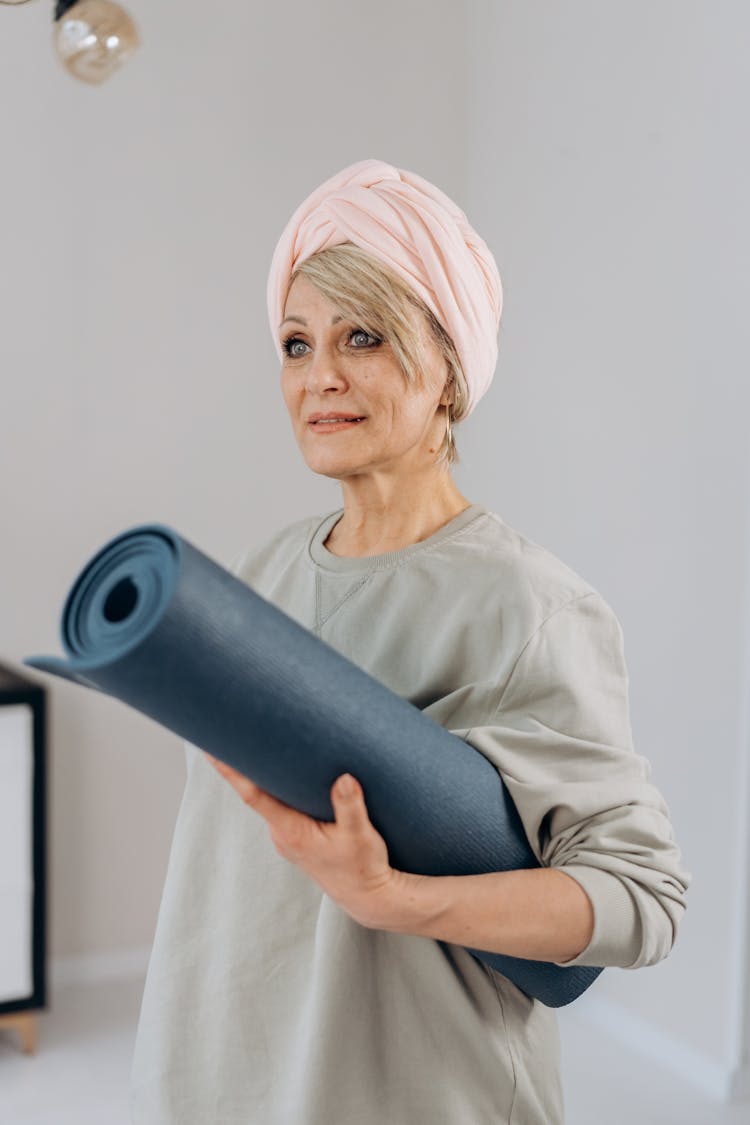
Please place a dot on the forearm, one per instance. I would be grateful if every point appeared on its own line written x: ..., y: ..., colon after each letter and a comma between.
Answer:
x: 540, y: 914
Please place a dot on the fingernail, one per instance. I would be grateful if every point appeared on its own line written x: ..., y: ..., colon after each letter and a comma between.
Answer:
x: 346, y: 785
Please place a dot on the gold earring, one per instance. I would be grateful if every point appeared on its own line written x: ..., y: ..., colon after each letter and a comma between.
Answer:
x: 448, y: 419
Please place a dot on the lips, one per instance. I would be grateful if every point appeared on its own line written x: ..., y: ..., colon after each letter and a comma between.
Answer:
x: 315, y: 419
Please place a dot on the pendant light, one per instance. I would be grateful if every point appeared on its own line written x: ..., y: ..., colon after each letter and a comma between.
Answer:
x: 92, y: 38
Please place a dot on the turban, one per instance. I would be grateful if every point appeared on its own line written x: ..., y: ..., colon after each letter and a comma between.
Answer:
x: 413, y: 227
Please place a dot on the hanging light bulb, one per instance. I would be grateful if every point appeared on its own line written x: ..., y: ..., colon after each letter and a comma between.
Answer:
x: 93, y: 38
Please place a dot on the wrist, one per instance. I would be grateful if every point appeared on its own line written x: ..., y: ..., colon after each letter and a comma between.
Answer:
x: 410, y: 903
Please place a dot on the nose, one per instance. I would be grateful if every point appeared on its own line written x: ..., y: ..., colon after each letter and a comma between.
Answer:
x: 324, y: 370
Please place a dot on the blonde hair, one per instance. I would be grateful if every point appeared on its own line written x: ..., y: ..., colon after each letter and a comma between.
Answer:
x: 367, y: 291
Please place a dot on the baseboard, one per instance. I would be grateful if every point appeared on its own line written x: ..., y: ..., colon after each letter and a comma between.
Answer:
x: 739, y: 1086
x: 97, y: 968
x: 723, y: 1083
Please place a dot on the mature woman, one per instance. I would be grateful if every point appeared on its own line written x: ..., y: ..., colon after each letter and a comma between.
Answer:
x: 296, y: 978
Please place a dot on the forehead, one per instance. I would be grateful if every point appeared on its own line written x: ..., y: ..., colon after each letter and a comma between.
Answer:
x: 302, y: 293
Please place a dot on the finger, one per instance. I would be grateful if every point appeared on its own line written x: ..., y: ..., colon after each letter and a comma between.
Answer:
x: 348, y: 801
x: 246, y: 788
x: 217, y: 763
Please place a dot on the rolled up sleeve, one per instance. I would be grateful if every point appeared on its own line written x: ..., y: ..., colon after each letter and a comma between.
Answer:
x: 562, y: 742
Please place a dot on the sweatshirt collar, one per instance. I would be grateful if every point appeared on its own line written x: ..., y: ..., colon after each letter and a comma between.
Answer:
x: 326, y: 560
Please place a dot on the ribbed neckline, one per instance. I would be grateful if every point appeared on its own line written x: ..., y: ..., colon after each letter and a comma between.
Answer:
x: 326, y: 560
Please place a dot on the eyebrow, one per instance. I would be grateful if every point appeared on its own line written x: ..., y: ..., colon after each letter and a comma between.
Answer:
x: 302, y: 320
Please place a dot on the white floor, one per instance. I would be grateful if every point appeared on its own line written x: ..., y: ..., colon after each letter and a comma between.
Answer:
x: 79, y: 1074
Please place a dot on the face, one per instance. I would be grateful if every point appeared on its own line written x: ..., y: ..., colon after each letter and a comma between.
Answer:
x: 330, y: 365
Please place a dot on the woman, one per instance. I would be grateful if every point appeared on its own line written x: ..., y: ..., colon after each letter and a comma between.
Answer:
x: 296, y: 978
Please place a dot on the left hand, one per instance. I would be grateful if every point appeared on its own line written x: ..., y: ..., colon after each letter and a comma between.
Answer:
x: 347, y: 858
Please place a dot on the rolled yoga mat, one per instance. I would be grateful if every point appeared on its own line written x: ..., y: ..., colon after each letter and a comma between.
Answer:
x: 157, y: 624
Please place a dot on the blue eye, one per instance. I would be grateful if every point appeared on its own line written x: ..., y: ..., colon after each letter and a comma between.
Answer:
x: 288, y: 344
x: 361, y: 332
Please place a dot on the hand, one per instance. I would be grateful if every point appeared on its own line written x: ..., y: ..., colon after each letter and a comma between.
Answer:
x: 347, y: 858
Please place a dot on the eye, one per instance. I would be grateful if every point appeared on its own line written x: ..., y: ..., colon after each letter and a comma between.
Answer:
x: 289, y: 343
x: 361, y: 332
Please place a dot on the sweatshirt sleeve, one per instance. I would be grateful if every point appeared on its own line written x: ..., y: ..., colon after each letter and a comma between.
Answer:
x: 562, y: 741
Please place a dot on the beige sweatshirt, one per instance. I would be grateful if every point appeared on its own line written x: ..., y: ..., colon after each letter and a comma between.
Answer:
x: 265, y: 1003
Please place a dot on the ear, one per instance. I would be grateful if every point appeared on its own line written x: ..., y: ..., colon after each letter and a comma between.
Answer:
x: 447, y: 398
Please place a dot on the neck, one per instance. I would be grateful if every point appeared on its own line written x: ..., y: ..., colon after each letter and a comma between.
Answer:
x: 385, y: 514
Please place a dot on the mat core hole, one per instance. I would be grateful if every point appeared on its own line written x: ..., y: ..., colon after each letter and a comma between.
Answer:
x: 121, y: 600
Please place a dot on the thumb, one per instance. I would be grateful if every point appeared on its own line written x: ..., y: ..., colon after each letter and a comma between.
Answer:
x: 347, y: 798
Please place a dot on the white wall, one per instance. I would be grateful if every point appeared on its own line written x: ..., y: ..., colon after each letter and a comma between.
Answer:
x: 607, y: 173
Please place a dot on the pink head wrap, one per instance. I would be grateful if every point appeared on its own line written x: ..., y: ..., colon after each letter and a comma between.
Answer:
x: 419, y: 232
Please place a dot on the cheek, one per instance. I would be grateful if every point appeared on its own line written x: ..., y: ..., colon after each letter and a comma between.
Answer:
x: 411, y: 413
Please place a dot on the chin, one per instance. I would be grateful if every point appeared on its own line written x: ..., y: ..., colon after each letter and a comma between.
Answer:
x: 335, y: 467
x: 322, y: 456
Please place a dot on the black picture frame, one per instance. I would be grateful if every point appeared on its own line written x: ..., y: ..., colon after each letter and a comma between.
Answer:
x: 18, y: 688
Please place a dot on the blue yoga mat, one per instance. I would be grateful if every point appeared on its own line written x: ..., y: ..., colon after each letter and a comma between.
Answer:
x: 154, y: 622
